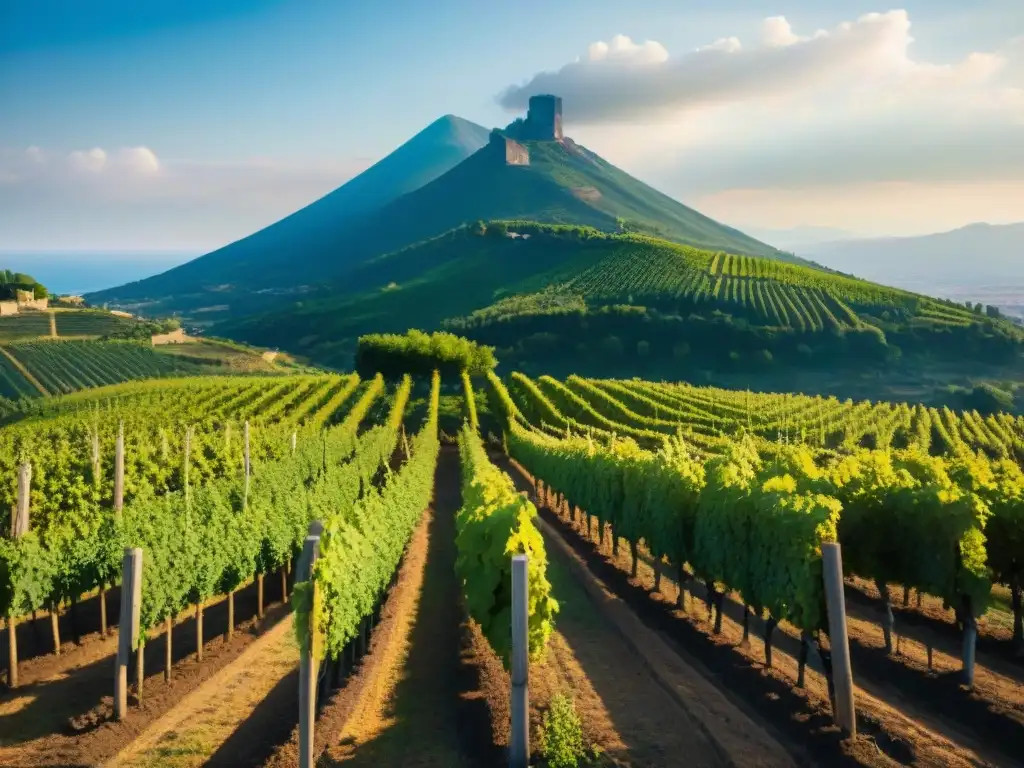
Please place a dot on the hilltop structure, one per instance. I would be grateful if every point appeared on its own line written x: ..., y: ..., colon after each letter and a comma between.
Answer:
x: 543, y: 123
x: 544, y: 118
x: 509, y: 151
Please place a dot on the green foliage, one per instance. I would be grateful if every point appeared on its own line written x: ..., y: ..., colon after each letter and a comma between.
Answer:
x: 419, y: 353
x: 199, y: 536
x: 987, y: 400
x: 366, y: 528
x: 467, y: 388
x: 751, y: 515
x: 65, y: 366
x: 561, y: 734
x: 12, y: 282
x: 495, y: 523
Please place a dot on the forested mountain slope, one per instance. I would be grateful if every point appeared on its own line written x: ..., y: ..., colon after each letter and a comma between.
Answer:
x: 540, y: 291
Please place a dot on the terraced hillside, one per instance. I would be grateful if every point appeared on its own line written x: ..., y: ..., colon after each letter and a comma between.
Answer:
x: 564, y: 294
x: 90, y: 323
x: 33, y: 362
x: 65, y: 366
x: 26, y: 325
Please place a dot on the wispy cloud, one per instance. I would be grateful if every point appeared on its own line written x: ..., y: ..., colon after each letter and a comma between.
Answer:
x: 132, y: 197
x: 796, y: 108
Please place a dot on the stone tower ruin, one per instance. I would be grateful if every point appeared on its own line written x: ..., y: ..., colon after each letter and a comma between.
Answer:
x: 544, y: 118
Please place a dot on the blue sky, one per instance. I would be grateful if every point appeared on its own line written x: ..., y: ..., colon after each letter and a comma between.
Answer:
x: 239, y: 112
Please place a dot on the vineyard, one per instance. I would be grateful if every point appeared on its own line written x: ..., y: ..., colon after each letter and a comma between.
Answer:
x: 644, y: 271
x: 394, y: 554
x: 57, y: 367
x: 69, y: 323
x: 90, y: 323
x: 65, y: 366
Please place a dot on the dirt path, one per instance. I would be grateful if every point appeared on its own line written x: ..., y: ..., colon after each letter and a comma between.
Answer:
x: 888, y: 735
x: 642, y: 703
x: 932, y: 622
x: 62, y: 715
x: 636, y: 702
x: 409, y: 713
x: 192, y: 731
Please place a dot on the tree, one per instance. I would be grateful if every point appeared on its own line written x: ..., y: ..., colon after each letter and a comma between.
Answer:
x: 612, y: 346
x: 497, y: 229
x: 419, y: 353
x: 987, y: 399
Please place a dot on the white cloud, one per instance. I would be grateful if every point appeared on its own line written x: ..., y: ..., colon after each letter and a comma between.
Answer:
x: 140, y: 159
x: 800, y: 110
x: 643, y: 80
x: 131, y: 198
x: 92, y: 160
x: 776, y: 32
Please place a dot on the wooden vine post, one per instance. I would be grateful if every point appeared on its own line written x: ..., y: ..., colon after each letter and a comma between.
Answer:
x: 19, y: 527
x: 245, y: 503
x: 247, y: 465
x: 96, y: 481
x: 839, y: 642
x: 96, y: 456
x: 168, y: 648
x: 308, y: 662
x: 188, y: 508
x: 119, y: 471
x: 128, y: 638
x: 519, y: 738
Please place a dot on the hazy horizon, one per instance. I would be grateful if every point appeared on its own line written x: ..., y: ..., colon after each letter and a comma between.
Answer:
x: 85, y: 271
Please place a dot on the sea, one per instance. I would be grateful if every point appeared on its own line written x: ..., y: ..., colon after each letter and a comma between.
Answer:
x: 68, y: 272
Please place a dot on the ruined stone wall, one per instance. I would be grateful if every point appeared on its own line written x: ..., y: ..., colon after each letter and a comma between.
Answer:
x: 507, y: 150
x: 39, y: 304
x: 516, y: 153
x: 8, y: 308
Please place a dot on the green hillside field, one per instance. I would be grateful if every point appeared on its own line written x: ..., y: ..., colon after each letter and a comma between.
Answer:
x: 610, y: 302
x: 563, y: 184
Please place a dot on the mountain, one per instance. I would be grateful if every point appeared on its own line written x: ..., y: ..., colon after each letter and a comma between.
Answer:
x: 977, y: 254
x: 312, y: 252
x: 544, y: 292
x: 265, y: 259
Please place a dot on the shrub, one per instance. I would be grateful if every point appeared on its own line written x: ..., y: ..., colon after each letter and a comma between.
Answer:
x: 561, y: 735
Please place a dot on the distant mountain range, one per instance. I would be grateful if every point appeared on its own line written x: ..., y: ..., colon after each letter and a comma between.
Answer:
x: 799, y: 238
x: 451, y: 173
x: 975, y: 255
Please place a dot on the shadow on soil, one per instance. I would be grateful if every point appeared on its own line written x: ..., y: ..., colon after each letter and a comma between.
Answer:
x: 427, y: 711
x: 807, y: 732
x: 73, y: 694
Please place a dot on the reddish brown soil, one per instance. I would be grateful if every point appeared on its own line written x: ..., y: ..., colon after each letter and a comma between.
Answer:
x: 933, y: 621
x: 62, y: 714
x: 421, y: 696
x: 801, y: 717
